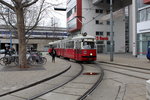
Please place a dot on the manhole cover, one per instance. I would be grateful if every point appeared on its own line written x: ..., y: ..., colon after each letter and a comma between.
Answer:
x: 90, y: 73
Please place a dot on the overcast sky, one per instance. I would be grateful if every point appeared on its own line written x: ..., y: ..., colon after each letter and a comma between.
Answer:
x: 59, y: 17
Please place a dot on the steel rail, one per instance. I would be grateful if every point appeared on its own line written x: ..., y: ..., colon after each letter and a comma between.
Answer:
x: 133, y: 70
x: 94, y: 86
x: 36, y: 83
x: 126, y: 74
x: 129, y: 68
x: 123, y: 65
x: 39, y: 95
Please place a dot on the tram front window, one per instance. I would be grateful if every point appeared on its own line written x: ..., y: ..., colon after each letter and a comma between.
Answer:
x: 88, y: 45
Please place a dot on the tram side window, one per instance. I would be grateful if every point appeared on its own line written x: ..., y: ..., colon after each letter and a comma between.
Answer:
x: 55, y: 45
x: 58, y: 46
x: 70, y: 44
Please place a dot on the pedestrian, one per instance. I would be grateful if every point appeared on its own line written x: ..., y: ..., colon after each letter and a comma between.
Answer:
x: 148, y: 53
x: 7, y: 51
x: 53, y: 54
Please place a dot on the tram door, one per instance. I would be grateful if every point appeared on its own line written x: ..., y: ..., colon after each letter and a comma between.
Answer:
x: 77, y: 49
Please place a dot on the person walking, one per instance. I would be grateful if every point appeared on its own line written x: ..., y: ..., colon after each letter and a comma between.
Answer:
x: 53, y: 54
x: 148, y: 53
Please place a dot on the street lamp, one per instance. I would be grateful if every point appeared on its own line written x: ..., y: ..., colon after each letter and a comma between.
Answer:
x: 112, y: 33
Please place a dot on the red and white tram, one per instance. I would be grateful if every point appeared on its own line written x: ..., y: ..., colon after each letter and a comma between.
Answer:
x: 79, y: 48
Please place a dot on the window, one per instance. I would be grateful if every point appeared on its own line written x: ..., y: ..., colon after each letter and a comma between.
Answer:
x: 108, y: 33
x: 97, y: 21
x: 99, y: 42
x: 107, y: 11
x: 148, y: 13
x: 98, y: 11
x: 72, y: 11
x: 108, y: 22
x: 88, y: 45
x: 108, y: 42
x: 70, y: 44
x: 140, y: 3
x: 98, y: 33
x: 143, y: 15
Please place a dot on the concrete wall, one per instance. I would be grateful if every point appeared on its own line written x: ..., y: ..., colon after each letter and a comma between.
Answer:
x: 119, y: 34
x: 89, y: 14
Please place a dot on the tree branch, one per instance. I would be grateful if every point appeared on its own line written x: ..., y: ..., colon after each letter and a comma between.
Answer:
x: 7, y: 4
x: 29, y: 4
x: 37, y: 19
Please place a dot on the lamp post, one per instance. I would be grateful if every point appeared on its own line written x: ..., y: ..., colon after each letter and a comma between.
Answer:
x: 10, y: 39
x: 10, y: 29
x: 112, y: 33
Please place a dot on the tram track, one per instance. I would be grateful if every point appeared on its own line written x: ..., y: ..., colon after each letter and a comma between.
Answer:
x: 41, y: 83
x: 36, y: 83
x: 94, y: 86
x: 27, y: 93
x: 132, y: 71
x: 120, y: 82
x: 75, y: 85
x: 41, y: 94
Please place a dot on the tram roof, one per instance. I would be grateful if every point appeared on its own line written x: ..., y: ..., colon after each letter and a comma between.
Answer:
x: 83, y: 37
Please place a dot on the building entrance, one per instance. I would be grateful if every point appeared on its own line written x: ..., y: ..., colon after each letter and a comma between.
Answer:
x: 142, y: 41
x: 100, y: 48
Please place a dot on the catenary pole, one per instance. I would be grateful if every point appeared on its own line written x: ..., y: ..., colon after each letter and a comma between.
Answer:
x: 112, y: 33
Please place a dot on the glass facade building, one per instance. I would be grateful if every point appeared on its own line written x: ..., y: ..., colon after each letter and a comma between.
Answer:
x: 143, y: 27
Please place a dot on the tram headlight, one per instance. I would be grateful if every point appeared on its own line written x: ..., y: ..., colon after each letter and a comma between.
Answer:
x: 91, y: 54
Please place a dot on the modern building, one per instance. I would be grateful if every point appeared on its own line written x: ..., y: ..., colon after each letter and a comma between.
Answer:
x: 143, y: 26
x: 93, y: 17
x: 39, y: 37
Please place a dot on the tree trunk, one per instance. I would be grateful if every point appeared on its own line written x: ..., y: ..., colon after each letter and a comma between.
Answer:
x: 21, y: 38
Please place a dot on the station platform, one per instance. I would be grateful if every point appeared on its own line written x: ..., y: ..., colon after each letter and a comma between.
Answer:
x: 125, y: 59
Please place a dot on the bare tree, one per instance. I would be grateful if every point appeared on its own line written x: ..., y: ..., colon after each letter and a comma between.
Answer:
x: 19, y: 7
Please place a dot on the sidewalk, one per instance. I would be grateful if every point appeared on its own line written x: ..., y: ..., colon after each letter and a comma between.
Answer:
x: 125, y: 59
x: 12, y: 78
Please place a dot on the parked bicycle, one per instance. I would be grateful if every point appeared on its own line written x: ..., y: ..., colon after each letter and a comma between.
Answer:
x: 35, y: 58
x: 10, y: 57
x: 7, y: 60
